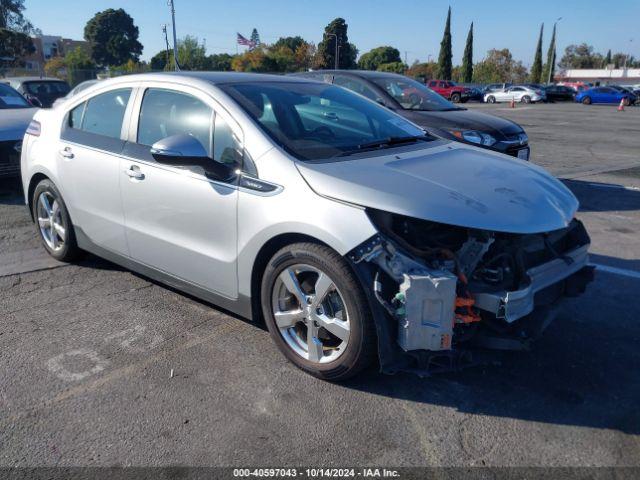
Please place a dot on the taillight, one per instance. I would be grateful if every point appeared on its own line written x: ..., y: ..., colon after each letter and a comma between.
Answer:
x: 34, y: 128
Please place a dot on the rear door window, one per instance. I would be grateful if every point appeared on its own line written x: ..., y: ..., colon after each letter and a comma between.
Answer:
x: 104, y: 113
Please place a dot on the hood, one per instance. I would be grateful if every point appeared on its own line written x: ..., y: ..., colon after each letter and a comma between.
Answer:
x: 463, y: 120
x: 14, y: 122
x: 450, y: 183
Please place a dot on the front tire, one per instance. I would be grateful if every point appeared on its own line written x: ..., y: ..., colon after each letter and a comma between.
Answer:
x: 53, y: 222
x: 455, y: 98
x: 586, y: 101
x: 526, y: 99
x: 317, y: 313
x: 491, y: 99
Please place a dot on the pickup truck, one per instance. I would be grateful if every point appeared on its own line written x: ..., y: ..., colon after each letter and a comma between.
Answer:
x: 450, y: 90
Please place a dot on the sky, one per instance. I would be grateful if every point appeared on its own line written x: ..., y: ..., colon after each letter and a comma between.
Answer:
x: 412, y: 26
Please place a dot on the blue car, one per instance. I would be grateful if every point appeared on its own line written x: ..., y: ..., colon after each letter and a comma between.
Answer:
x: 605, y: 95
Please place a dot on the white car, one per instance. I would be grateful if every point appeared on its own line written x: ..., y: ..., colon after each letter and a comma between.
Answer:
x: 347, y: 228
x: 518, y: 93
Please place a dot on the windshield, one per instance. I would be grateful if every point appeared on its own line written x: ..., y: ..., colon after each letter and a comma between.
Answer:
x: 413, y: 95
x: 9, y: 98
x: 315, y: 121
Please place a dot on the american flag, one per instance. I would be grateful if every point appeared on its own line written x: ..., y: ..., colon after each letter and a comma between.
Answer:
x: 245, y: 41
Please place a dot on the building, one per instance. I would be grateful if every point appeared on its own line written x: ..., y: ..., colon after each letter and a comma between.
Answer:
x: 601, y: 76
x: 49, y: 46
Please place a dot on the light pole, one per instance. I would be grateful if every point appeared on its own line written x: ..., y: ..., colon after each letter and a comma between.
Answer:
x: 336, y: 58
x: 627, y: 56
x: 552, y: 60
x: 175, y: 41
x: 166, y: 41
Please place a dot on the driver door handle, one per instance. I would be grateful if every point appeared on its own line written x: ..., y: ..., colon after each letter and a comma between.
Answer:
x: 134, y: 173
x: 66, y: 152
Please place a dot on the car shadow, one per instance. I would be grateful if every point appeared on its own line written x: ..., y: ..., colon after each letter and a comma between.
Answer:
x: 581, y: 372
x: 11, y: 191
x: 604, y: 197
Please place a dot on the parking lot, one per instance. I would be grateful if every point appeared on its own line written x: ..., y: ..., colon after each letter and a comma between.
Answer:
x: 88, y: 350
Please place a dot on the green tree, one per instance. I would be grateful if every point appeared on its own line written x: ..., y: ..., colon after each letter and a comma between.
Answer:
x: 159, y: 60
x: 580, y: 56
x: 607, y: 59
x: 220, y: 62
x: 536, y: 68
x: 192, y: 55
x: 547, y: 75
x: 292, y: 43
x: 255, y: 38
x: 14, y: 47
x: 113, y: 38
x: 394, y: 67
x: 422, y: 71
x: 80, y: 66
x: 444, y: 59
x: 467, y: 58
x: 620, y: 59
x: 499, y: 66
x: 347, y: 52
x: 377, y: 56
x: 12, y: 17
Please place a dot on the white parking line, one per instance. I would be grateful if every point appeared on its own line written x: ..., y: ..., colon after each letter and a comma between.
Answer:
x: 617, y: 271
x: 606, y: 185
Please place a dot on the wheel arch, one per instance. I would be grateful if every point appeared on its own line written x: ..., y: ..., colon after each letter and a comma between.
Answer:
x: 33, y: 183
x: 266, y: 252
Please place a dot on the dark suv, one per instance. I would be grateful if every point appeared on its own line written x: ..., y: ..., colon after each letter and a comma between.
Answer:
x: 40, y: 92
x: 414, y: 101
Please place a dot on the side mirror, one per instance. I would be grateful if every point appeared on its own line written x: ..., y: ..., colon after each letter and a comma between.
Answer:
x: 185, y: 150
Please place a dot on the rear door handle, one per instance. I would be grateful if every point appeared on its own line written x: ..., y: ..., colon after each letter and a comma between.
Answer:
x: 134, y: 172
x: 66, y: 152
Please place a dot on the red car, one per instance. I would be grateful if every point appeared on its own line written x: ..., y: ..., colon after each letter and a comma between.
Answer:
x: 450, y: 90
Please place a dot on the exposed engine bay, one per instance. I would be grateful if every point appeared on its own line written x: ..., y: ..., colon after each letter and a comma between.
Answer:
x: 447, y: 288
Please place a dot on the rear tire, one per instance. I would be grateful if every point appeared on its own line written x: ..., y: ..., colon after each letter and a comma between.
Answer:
x: 586, y: 101
x: 626, y: 101
x: 326, y: 327
x: 455, y: 98
x: 53, y: 222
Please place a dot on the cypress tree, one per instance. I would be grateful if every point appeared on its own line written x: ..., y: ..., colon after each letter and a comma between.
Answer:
x: 551, y: 58
x: 536, y: 69
x: 444, y: 59
x: 467, y: 59
x: 607, y: 60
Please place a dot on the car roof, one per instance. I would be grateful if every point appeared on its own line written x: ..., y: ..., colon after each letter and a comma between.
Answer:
x: 355, y: 73
x: 216, y: 78
x: 31, y: 79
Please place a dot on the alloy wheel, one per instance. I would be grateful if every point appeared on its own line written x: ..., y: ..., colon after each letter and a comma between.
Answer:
x: 51, y: 222
x: 310, y: 313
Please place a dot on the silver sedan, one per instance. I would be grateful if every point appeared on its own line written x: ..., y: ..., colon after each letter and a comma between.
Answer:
x: 518, y: 93
x: 349, y: 230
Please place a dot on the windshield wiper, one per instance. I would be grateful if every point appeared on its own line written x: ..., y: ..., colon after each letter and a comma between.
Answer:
x: 389, y: 141
x: 383, y: 143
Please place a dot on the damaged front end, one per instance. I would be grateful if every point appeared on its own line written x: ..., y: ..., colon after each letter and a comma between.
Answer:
x: 443, y: 293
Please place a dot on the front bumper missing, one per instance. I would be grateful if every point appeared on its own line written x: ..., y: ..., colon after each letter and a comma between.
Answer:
x: 511, y: 306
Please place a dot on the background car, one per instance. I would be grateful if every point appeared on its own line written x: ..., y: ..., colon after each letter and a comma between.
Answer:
x: 450, y: 90
x: 559, y: 93
x: 39, y: 91
x: 15, y: 115
x: 605, y: 95
x: 77, y: 89
x: 518, y: 93
x: 493, y: 87
x: 414, y: 101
